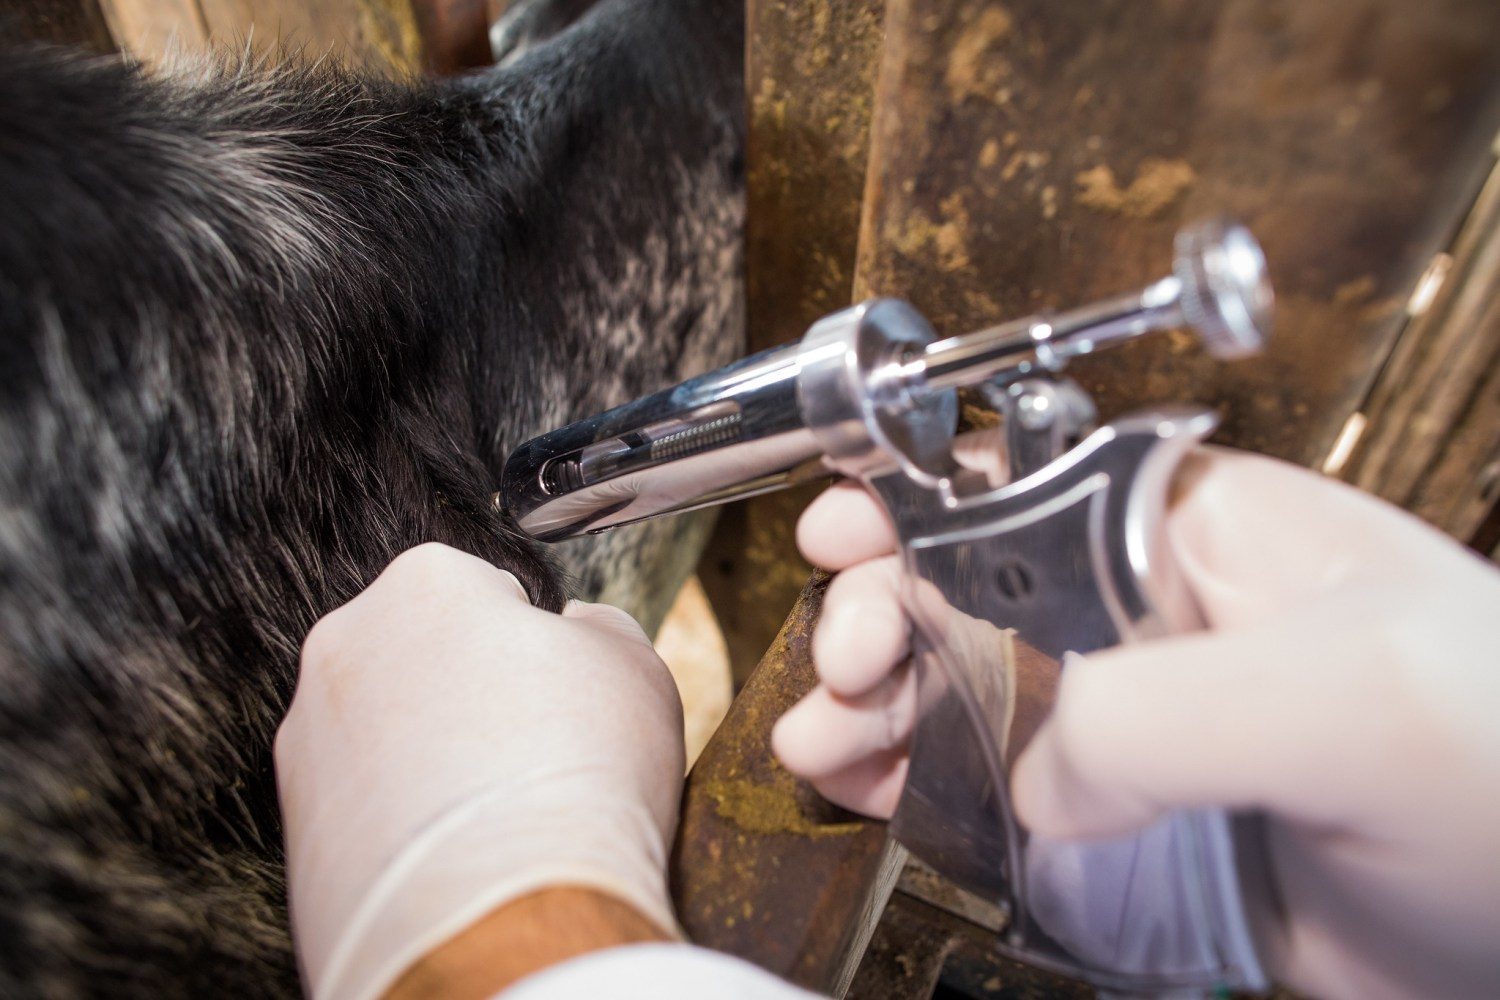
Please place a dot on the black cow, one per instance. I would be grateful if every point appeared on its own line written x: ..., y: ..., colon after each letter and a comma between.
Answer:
x: 260, y: 330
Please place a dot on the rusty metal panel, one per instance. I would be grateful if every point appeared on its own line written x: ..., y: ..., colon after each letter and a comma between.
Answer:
x: 764, y: 869
x: 810, y: 81
x: 1029, y: 155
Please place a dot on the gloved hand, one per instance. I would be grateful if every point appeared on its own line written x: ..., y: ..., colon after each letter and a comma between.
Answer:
x: 451, y: 748
x: 1348, y: 687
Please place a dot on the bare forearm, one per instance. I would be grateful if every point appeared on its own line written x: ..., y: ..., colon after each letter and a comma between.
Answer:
x: 523, y: 937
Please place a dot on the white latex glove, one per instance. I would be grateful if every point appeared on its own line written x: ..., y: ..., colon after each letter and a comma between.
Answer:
x: 1349, y: 687
x: 451, y: 748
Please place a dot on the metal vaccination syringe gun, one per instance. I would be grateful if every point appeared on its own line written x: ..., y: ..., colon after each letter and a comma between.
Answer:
x: 1067, y: 555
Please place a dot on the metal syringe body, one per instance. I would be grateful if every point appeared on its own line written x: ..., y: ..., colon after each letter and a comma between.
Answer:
x: 753, y: 426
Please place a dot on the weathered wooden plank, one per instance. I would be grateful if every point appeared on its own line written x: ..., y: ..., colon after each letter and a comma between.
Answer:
x: 810, y: 74
x: 434, y: 36
x: 1431, y: 439
x: 358, y: 32
x: 1461, y: 490
x: 154, y: 31
x: 764, y: 868
x: 1033, y: 155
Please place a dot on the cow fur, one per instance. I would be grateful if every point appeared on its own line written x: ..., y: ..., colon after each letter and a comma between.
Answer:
x: 261, y: 330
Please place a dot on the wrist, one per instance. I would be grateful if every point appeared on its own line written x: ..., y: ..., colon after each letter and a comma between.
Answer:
x: 502, y: 845
x: 521, y: 937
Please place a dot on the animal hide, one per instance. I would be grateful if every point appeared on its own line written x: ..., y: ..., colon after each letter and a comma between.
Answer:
x: 261, y: 330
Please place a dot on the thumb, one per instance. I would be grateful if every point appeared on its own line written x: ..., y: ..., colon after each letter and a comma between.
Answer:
x: 1233, y: 719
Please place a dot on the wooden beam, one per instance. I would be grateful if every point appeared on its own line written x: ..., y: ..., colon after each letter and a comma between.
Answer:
x: 810, y: 77
x: 358, y: 32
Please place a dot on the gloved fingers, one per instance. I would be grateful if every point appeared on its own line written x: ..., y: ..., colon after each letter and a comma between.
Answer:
x: 871, y: 786
x: 845, y: 525
x: 825, y: 733
x: 429, y: 583
x: 863, y: 632
x: 513, y: 582
x: 611, y: 619
x: 1213, y: 719
x: 984, y: 451
x: 1255, y: 536
x: 625, y: 644
x: 451, y: 746
x: 434, y: 567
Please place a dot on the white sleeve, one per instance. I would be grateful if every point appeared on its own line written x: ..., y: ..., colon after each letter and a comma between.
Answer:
x: 654, y: 972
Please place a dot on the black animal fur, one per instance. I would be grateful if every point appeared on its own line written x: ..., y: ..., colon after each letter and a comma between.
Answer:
x: 259, y: 332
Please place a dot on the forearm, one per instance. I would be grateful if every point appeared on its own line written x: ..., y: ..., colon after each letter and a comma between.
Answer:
x: 522, y: 937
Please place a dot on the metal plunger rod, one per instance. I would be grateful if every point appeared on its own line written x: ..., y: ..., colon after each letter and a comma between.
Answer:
x: 1218, y: 288
x: 1049, y: 342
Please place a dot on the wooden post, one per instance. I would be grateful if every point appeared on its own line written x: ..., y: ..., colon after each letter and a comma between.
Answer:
x: 810, y: 78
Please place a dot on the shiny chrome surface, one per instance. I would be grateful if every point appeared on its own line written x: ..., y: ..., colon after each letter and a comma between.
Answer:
x: 628, y: 464
x: 1068, y: 556
x: 1042, y: 417
x: 729, y: 433
x: 755, y: 426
